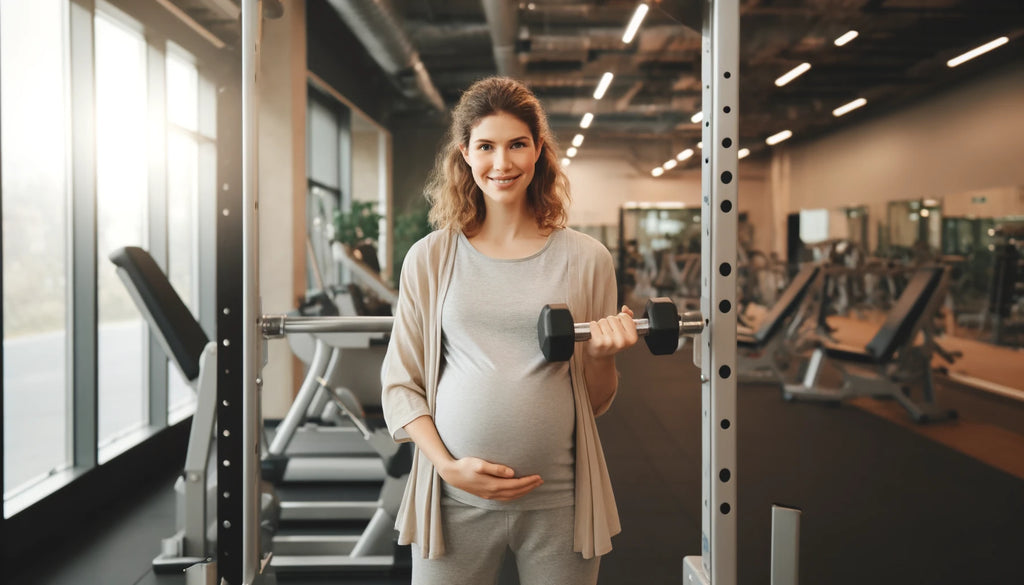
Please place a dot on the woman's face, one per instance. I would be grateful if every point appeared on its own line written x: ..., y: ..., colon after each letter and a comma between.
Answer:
x: 502, y: 156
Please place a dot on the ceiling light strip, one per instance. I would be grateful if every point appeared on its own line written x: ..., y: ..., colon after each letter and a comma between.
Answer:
x: 793, y: 74
x: 847, y: 37
x: 586, y: 120
x: 602, y: 86
x: 977, y: 51
x: 849, y: 107
x: 777, y: 138
x: 634, y: 23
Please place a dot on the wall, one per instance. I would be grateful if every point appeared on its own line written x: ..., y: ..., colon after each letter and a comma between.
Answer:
x: 282, y: 190
x: 601, y: 183
x: 966, y: 139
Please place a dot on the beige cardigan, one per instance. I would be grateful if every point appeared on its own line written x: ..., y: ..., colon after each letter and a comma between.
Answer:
x: 410, y: 375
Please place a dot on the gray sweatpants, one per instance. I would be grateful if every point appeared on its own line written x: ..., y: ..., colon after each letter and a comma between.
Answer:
x: 477, y: 539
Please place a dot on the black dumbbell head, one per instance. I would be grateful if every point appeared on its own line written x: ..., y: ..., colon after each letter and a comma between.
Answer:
x: 555, y: 333
x: 663, y: 337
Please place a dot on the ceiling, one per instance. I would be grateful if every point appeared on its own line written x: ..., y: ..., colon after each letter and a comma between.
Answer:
x: 435, y: 48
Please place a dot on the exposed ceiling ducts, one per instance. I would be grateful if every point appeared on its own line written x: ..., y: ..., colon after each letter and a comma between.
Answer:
x: 381, y: 32
x: 561, y: 49
x: 502, y: 18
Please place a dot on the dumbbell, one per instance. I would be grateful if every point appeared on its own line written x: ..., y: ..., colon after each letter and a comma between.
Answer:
x: 661, y: 328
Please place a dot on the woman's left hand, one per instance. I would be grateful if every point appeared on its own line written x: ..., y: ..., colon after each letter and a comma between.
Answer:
x: 612, y: 334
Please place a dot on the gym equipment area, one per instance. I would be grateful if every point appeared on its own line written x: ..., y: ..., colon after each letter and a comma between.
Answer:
x: 815, y: 212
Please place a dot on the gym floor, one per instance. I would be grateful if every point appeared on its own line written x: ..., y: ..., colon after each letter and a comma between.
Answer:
x: 884, y: 500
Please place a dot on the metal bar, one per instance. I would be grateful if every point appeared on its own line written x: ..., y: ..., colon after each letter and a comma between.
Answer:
x: 156, y: 60
x: 83, y: 345
x: 229, y: 334
x: 690, y: 323
x: 297, y: 413
x: 785, y: 545
x: 719, y: 210
x: 248, y: 463
x: 277, y: 325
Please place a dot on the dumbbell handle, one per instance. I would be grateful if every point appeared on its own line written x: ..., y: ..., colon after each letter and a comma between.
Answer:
x: 690, y: 323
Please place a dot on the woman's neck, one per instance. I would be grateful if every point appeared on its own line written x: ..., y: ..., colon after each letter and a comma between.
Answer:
x: 505, y: 235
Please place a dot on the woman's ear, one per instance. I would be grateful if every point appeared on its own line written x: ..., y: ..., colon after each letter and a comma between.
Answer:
x: 540, y: 150
x: 465, y: 153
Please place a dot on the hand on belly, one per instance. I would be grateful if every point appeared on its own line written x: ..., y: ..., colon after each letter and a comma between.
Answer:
x: 492, y: 481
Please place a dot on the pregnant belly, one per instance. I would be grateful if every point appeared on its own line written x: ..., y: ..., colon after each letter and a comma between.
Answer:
x: 527, y: 428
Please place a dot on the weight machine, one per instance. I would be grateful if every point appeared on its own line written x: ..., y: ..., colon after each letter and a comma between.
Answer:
x: 242, y: 328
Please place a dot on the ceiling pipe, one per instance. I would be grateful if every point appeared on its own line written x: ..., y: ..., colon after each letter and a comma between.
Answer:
x: 380, y: 30
x: 503, y: 20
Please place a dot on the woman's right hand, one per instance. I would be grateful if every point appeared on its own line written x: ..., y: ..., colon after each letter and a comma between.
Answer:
x: 491, y: 481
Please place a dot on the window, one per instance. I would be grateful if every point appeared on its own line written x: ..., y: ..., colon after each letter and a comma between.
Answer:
x: 122, y: 193
x: 34, y: 153
x: 99, y: 149
x: 327, y: 145
x: 183, y: 185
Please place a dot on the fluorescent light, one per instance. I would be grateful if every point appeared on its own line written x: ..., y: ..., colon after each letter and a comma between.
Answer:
x: 684, y: 154
x: 793, y: 74
x: 669, y: 164
x: 602, y: 86
x: 845, y: 108
x: 847, y: 37
x: 587, y: 119
x: 571, y: 152
x: 577, y: 140
x: 978, y: 51
x: 634, y: 23
x: 777, y: 138
x: 743, y: 153
x: 657, y: 172
x: 696, y: 118
x: 565, y: 162
x: 700, y: 145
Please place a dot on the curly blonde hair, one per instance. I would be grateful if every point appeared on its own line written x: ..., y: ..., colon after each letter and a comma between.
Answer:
x: 456, y: 201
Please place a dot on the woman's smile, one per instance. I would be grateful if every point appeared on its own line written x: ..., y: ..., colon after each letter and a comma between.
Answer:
x: 502, y: 154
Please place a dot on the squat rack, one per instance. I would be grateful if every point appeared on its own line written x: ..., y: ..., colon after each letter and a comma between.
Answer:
x: 241, y: 326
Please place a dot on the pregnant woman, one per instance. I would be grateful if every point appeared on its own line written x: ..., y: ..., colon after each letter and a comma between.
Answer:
x: 508, y: 460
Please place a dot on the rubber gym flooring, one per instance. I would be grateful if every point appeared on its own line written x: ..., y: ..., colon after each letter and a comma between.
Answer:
x: 883, y: 500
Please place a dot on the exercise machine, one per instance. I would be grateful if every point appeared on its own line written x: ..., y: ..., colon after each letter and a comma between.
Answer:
x: 372, y: 547
x: 765, y: 352
x: 894, y: 359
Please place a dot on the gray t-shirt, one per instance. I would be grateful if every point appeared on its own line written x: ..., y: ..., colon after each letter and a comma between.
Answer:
x: 498, y: 398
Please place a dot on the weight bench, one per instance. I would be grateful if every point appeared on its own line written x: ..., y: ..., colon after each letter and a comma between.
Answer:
x: 181, y: 336
x: 761, y: 353
x: 185, y: 342
x: 894, y: 359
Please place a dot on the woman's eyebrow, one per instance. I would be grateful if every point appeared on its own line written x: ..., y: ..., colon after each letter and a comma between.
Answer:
x: 489, y: 141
